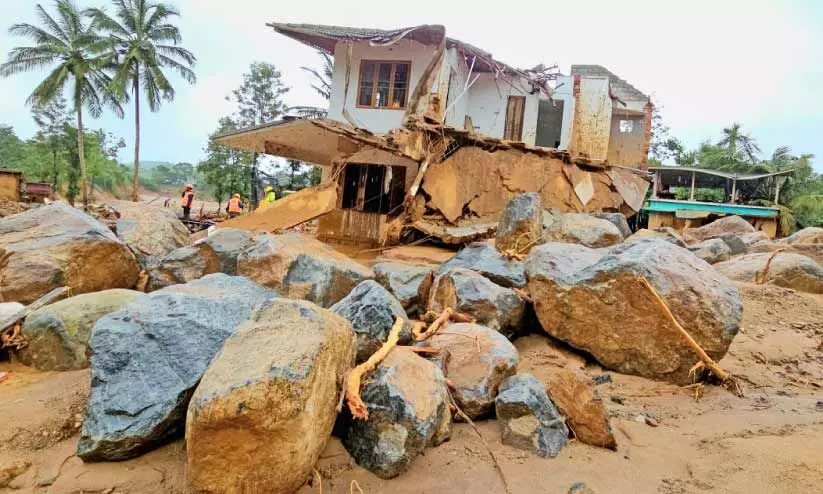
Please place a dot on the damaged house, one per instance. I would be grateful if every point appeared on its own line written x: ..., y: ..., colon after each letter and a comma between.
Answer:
x: 432, y: 135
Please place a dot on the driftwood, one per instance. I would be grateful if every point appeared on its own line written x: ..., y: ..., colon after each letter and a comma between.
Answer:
x: 10, y: 335
x: 441, y: 321
x: 356, y: 406
x: 760, y: 278
x: 705, y: 361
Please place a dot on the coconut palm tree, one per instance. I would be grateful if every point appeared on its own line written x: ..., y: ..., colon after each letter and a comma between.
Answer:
x: 67, y: 46
x: 322, y: 86
x: 737, y: 143
x: 145, y: 43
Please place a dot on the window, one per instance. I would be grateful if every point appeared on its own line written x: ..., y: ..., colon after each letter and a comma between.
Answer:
x: 383, y: 84
x: 626, y: 126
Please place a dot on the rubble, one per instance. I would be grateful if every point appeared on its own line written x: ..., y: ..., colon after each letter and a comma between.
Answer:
x: 409, y: 410
x: 472, y: 294
x: 786, y: 269
x: 521, y: 224
x: 58, y: 334
x: 712, y: 251
x: 476, y: 360
x: 580, y: 228
x: 150, y: 232
x: 57, y: 245
x: 372, y: 311
x: 299, y: 266
x: 621, y: 325
x: 403, y: 280
x: 528, y: 418
x: 147, y: 358
x: 265, y: 406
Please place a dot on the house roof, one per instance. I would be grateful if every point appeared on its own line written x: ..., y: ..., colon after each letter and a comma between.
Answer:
x: 325, y: 37
x: 687, y: 171
x: 622, y: 89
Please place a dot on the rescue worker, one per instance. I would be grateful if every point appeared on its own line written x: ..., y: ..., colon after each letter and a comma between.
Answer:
x: 270, y: 197
x: 187, y: 200
x: 235, y: 206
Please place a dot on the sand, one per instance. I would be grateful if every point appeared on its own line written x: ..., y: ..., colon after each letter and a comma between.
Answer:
x: 770, y: 441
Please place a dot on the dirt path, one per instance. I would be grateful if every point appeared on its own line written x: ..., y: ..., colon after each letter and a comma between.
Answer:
x: 768, y: 442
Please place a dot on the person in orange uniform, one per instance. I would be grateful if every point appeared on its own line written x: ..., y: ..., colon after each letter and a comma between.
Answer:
x: 187, y: 200
x: 235, y: 206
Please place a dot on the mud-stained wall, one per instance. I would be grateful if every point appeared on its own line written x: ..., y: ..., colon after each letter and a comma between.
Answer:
x: 627, y: 139
x: 474, y: 183
x: 10, y: 186
x: 592, y: 118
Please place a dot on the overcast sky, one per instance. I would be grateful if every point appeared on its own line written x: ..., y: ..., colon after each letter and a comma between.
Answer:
x: 707, y: 63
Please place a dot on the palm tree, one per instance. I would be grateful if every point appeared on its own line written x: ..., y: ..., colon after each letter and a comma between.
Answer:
x: 145, y: 42
x: 323, y: 78
x: 737, y: 143
x: 68, y: 46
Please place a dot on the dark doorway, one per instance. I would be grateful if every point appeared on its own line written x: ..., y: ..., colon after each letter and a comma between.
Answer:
x: 549, y: 123
x: 373, y: 188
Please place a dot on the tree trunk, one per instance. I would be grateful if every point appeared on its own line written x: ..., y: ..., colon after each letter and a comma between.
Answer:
x: 135, y: 184
x: 81, y: 154
x: 253, y: 190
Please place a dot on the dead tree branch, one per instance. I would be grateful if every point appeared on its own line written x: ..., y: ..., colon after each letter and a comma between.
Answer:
x: 356, y: 406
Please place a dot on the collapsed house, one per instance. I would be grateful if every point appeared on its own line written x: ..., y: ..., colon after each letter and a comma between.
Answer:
x: 430, y: 134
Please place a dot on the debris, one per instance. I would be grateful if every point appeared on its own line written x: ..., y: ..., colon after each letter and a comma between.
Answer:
x: 619, y: 399
x: 272, y: 389
x: 13, y: 470
x: 294, y: 209
x: 356, y: 405
x: 602, y: 379
x: 408, y: 405
x: 10, y: 335
x: 4, y: 376
x: 528, y: 418
x: 438, y: 323
x: 651, y: 422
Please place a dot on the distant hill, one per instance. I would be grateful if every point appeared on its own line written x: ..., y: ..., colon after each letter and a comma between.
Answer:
x: 147, y: 166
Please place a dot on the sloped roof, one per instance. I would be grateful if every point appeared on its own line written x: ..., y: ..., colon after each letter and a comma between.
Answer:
x: 622, y: 89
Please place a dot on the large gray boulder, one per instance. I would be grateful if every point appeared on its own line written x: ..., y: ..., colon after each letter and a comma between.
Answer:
x: 810, y: 235
x: 147, y: 358
x: 472, y: 294
x: 150, y: 231
x: 787, y: 269
x: 408, y: 405
x: 58, y: 334
x: 521, y: 223
x: 488, y: 261
x: 266, y: 405
x: 727, y: 224
x: 617, y: 219
x: 371, y: 310
x: 300, y: 266
x: 666, y: 233
x: 582, y: 228
x: 216, y: 253
x: 735, y: 243
x: 58, y: 245
x: 403, y: 281
x: 528, y: 418
x: 476, y: 360
x: 712, y: 251
x: 603, y: 309
x: 556, y: 260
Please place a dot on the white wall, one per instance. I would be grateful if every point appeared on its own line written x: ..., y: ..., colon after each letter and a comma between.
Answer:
x: 592, y: 128
x: 487, y: 106
x: 376, y: 120
x: 455, y: 62
x: 563, y: 91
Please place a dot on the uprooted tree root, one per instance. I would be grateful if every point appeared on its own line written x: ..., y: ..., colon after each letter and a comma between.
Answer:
x: 356, y: 406
x: 440, y: 322
x: 727, y: 380
x: 760, y: 278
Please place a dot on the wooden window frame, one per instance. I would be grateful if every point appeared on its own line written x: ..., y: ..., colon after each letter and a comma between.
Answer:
x: 374, y: 85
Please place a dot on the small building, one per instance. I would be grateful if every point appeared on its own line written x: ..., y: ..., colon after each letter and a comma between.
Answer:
x: 674, y: 191
x: 12, y: 185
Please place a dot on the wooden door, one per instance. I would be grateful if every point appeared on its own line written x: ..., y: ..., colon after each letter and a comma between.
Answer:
x: 514, y: 118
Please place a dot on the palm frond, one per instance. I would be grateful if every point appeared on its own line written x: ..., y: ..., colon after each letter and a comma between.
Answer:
x: 47, y: 20
x: 50, y: 87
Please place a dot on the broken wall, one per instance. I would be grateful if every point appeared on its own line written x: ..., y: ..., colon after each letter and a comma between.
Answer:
x: 627, y: 140
x: 592, y: 123
x: 487, y: 102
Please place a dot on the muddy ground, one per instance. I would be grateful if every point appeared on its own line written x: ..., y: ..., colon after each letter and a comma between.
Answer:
x: 770, y: 441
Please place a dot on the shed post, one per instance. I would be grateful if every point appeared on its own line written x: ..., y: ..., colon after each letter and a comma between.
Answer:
x: 776, y: 190
x: 734, y: 190
x: 691, y: 195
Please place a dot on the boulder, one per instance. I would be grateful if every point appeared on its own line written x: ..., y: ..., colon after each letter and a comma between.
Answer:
x: 147, y: 358
x: 476, y: 360
x: 488, y: 261
x: 812, y: 251
x: 787, y: 269
x: 216, y: 253
x: 666, y: 233
x: 266, y: 405
x: 470, y: 293
x: 58, y: 245
x: 581, y: 228
x: 762, y: 246
x: 749, y: 239
x: 616, y: 219
x: 371, y: 310
x: 603, y: 309
x: 403, y: 281
x: 521, y: 223
x: 810, y: 235
x: 150, y: 231
x: 558, y: 260
x: 300, y: 266
x: 712, y: 250
x: 528, y: 418
x: 58, y: 334
x: 575, y: 395
x: 727, y: 224
x: 9, y: 309
x: 408, y: 405
x: 735, y: 243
